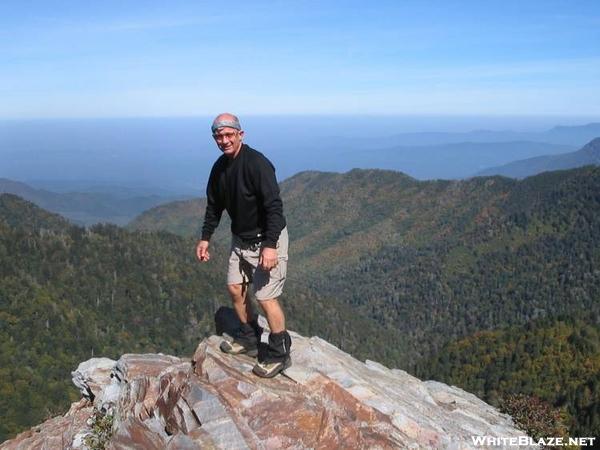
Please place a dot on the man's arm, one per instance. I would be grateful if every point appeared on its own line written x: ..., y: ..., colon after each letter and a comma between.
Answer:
x: 273, y: 207
x: 212, y: 215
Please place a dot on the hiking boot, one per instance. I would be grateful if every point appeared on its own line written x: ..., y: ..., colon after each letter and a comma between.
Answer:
x: 269, y: 370
x: 235, y: 348
x: 276, y: 356
x: 244, y: 343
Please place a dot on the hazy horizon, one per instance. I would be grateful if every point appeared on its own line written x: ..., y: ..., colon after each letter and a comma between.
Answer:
x: 402, y: 123
x: 174, y: 155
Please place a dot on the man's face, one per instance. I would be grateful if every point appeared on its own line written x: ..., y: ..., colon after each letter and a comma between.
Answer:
x: 229, y: 140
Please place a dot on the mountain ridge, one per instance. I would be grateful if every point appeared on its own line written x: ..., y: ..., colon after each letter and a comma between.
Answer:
x: 83, y: 208
x: 558, y: 134
x: 589, y: 154
x: 15, y: 211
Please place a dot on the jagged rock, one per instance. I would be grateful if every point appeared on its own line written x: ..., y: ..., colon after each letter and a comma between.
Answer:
x: 327, y: 399
x: 90, y: 376
x: 56, y: 433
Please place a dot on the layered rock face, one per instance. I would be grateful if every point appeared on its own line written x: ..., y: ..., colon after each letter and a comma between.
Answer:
x: 326, y: 400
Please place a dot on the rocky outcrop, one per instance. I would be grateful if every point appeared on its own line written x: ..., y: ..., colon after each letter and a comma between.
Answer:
x: 327, y: 400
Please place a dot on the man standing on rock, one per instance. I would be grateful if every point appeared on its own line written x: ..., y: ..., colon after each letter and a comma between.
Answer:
x: 243, y: 182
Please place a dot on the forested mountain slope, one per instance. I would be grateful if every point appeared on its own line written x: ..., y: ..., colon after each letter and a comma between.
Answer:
x: 69, y: 293
x: 555, y: 360
x: 438, y: 260
x: 16, y: 212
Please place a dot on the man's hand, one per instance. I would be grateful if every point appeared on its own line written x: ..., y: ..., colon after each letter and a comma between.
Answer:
x: 268, y: 258
x: 202, y: 251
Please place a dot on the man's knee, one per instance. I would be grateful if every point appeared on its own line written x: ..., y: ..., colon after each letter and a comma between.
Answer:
x: 234, y: 289
x: 270, y: 305
x: 237, y: 291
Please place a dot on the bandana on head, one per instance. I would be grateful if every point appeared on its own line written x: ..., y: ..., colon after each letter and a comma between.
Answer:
x: 225, y: 123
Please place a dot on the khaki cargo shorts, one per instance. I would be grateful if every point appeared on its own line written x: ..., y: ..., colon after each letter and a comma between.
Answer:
x: 243, y: 268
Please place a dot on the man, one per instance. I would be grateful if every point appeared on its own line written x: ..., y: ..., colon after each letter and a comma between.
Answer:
x: 243, y: 182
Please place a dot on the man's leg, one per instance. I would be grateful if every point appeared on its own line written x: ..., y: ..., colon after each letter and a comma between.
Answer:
x: 246, y: 339
x: 248, y: 336
x: 277, y: 355
x: 268, y: 286
x: 274, y: 314
x: 241, y: 303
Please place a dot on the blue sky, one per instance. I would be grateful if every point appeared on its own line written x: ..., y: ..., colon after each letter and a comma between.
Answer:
x: 187, y: 58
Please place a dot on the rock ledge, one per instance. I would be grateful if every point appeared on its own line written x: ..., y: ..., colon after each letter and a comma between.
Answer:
x: 327, y: 400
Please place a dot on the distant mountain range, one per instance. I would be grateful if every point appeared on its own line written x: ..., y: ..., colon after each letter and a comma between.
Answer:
x: 85, y: 208
x: 589, y: 154
x: 448, y: 161
x: 560, y: 135
x: 174, y: 155
x: 120, y: 205
x: 441, y: 155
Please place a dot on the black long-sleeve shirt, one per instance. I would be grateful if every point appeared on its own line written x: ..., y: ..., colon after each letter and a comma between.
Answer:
x: 247, y: 188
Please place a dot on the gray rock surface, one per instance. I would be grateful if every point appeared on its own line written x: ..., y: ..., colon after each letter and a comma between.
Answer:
x: 327, y: 400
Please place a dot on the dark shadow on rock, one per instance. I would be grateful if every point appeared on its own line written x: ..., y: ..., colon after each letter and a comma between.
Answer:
x: 226, y: 321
